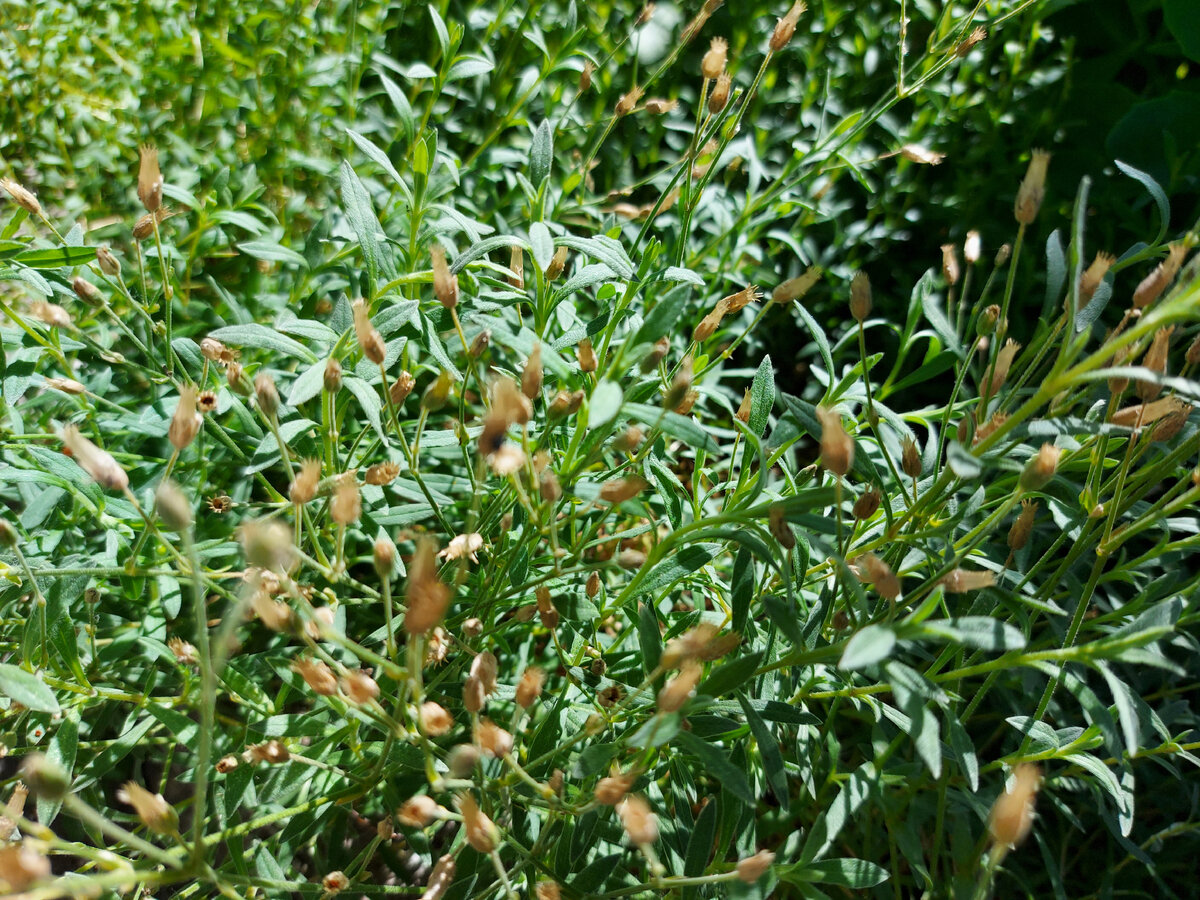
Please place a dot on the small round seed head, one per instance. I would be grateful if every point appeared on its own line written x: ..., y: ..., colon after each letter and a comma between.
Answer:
x: 86, y: 291
x: 435, y: 719
x: 384, y: 558
x: 492, y: 740
x: 207, y: 402
x: 462, y: 760
x: 382, y: 473
x: 359, y: 687
x: 867, y: 503
x: 713, y: 63
x: 427, y: 597
x: 987, y: 320
x: 346, y: 506
x: 21, y: 866
x: 172, y: 506
x: 786, y: 27
x: 45, y: 779
x: 418, y: 811
x: 226, y: 764
x: 108, y: 263
x: 99, y: 464
x: 752, y: 868
x: 860, y: 296
x: 612, y: 789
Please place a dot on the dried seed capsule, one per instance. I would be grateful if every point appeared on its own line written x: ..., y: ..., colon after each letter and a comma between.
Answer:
x: 867, y: 504
x: 558, y: 264
x: 1033, y: 188
x: 628, y: 101
x: 972, y: 247
x: 795, y: 288
x: 435, y: 719
x: 445, y: 284
x: 531, y: 375
x: 860, y: 296
x: 266, y: 394
x: 713, y: 63
x: 22, y: 197
x: 481, y: 832
x: 875, y: 572
x: 427, y: 597
x: 837, y: 447
x: 401, y: 388
x: 720, y: 93
x: 641, y: 825
x: 587, y: 356
x: 1011, y: 817
x: 1022, y: 527
x: 370, y: 341
x: 752, y: 868
x: 150, y: 180
x: 910, y: 457
x: 186, y: 422
x: 154, y: 811
x: 1040, y: 469
x: 99, y: 464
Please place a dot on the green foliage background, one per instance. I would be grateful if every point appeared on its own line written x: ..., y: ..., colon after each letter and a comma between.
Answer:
x: 313, y: 153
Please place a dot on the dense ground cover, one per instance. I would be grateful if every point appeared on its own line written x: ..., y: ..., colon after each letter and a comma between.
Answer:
x: 463, y: 450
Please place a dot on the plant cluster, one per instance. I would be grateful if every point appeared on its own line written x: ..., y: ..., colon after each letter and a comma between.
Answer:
x: 464, y: 543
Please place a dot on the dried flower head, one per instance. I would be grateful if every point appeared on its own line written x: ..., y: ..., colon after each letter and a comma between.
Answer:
x: 972, y: 247
x: 587, y: 356
x: 713, y: 63
x: 639, y: 821
x: 150, y: 180
x: 1156, y: 361
x: 1093, y: 276
x: 144, y: 227
x: 359, y: 687
x: 346, y: 506
x: 628, y: 101
x: 867, y: 503
x: 401, y: 388
x: 51, y: 314
x: 335, y: 882
x: 186, y: 422
x: 267, y: 543
x: 837, y: 447
x: 427, y: 597
x: 185, y: 652
x: 910, y: 457
x: 795, y: 288
x: 558, y: 264
x: 971, y: 40
x: 419, y: 811
x: 752, y: 868
x: 22, y: 197
x: 921, y: 155
x: 481, y: 832
x: 531, y: 375
x: 154, y: 811
x: 960, y: 581
x: 786, y: 27
x: 86, y: 291
x: 657, y: 106
x: 621, y: 489
x: 1040, y: 468
x: 950, y: 267
x: 681, y: 687
x: 875, y: 572
x: 317, y: 675
x: 66, y: 386
x: 612, y: 789
x: 1022, y: 526
x: 370, y: 341
x: 99, y: 464
x: 445, y: 283
x: 1011, y: 817
x: 720, y: 94
x: 491, y: 739
x: 530, y: 686
x: 860, y: 296
x: 266, y: 394
x: 382, y: 473
x: 463, y: 546
x: 435, y: 719
x: 1033, y: 188
x: 21, y: 866
x: 994, y: 380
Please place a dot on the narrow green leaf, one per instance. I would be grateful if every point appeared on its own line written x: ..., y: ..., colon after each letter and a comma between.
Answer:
x: 718, y: 764
x: 56, y: 258
x: 262, y: 338
x: 272, y: 252
x: 541, y: 154
x: 27, y: 689
x: 768, y: 749
x: 762, y: 397
x: 362, y: 219
x: 871, y: 645
x: 604, y: 404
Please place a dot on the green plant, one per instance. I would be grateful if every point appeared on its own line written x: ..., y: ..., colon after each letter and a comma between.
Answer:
x: 443, y: 543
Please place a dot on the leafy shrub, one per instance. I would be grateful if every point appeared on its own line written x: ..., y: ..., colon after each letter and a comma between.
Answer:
x: 442, y: 543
